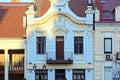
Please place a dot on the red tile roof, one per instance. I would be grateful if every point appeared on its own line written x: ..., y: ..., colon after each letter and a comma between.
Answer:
x: 11, y: 19
x: 78, y: 7
x: 44, y: 6
x: 107, y: 9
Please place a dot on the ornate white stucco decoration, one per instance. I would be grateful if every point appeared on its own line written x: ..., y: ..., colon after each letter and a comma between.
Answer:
x: 108, y: 34
x: 78, y: 32
x: 66, y: 15
x: 41, y: 32
x: 60, y: 31
x: 30, y: 9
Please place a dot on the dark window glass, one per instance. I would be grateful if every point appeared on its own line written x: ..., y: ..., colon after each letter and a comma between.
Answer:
x: 78, y: 45
x: 41, y: 45
x: 41, y: 73
x: 78, y: 74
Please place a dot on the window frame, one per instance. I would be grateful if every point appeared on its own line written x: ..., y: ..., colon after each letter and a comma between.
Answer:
x: 42, y: 73
x: 79, y: 72
x: 109, y: 52
x: 40, y: 43
x: 79, y: 43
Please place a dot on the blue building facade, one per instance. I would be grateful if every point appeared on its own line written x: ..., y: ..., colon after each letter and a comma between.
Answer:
x: 59, y: 43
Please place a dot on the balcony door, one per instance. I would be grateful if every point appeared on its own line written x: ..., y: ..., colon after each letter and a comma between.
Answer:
x: 60, y: 47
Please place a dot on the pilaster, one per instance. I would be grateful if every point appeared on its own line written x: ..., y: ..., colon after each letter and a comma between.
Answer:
x: 6, y: 65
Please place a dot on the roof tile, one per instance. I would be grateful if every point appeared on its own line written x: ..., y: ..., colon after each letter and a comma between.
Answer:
x: 78, y: 7
x: 11, y: 20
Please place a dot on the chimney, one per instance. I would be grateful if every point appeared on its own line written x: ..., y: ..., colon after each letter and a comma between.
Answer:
x: 30, y: 15
x: 89, y: 15
x: 117, y: 13
x: 97, y: 15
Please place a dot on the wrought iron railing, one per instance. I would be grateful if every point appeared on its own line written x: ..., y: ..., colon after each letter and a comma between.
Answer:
x: 67, y: 56
x: 16, y: 65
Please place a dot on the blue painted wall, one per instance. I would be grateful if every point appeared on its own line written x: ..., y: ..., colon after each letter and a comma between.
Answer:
x: 51, y: 74
x: 89, y: 74
x: 86, y: 57
x: 68, y: 74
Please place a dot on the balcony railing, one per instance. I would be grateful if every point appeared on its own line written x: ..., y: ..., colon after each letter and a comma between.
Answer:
x: 51, y: 58
x: 16, y: 66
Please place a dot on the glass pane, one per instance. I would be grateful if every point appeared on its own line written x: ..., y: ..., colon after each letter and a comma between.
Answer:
x: 78, y: 77
x: 108, y: 73
x: 76, y: 39
x: 74, y: 76
x: 43, y: 47
x: 39, y: 48
x: 45, y: 76
x: 108, y: 45
x: 81, y: 39
x: 37, y: 76
x: 80, y: 47
x: 82, y: 76
x: 76, y: 48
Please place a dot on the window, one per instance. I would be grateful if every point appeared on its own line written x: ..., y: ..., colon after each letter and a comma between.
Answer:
x: 108, y: 73
x: 78, y: 74
x: 107, y: 45
x: 41, y: 45
x: 41, y: 74
x: 60, y: 74
x: 78, y: 45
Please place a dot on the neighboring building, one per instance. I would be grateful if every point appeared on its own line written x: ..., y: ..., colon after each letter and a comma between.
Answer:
x: 107, y: 40
x: 59, y: 37
x: 12, y: 42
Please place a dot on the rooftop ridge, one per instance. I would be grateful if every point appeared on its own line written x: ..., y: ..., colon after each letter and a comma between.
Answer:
x: 15, y: 4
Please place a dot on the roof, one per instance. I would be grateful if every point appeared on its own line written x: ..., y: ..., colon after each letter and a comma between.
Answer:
x: 11, y: 15
x: 42, y: 7
x: 11, y: 19
x: 107, y: 10
x: 78, y: 7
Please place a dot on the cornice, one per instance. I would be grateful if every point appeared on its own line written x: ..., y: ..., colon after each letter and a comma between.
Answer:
x: 54, y: 14
x: 42, y: 21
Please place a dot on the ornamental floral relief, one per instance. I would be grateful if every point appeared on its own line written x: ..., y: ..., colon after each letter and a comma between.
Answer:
x: 60, y: 31
x: 78, y: 32
x: 41, y: 32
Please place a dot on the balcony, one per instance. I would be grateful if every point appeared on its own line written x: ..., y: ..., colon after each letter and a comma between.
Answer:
x: 16, y: 67
x: 53, y: 59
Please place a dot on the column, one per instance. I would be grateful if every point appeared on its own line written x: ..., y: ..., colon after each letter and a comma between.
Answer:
x: 25, y: 60
x: 6, y: 65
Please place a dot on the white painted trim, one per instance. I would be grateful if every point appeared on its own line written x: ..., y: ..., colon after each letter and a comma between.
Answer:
x: 6, y: 65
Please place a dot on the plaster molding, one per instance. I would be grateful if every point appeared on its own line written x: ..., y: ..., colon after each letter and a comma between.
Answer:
x: 30, y: 10
x: 41, y: 32
x: 40, y: 23
x: 78, y: 32
x: 62, y: 66
x: 44, y: 20
x: 60, y: 31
